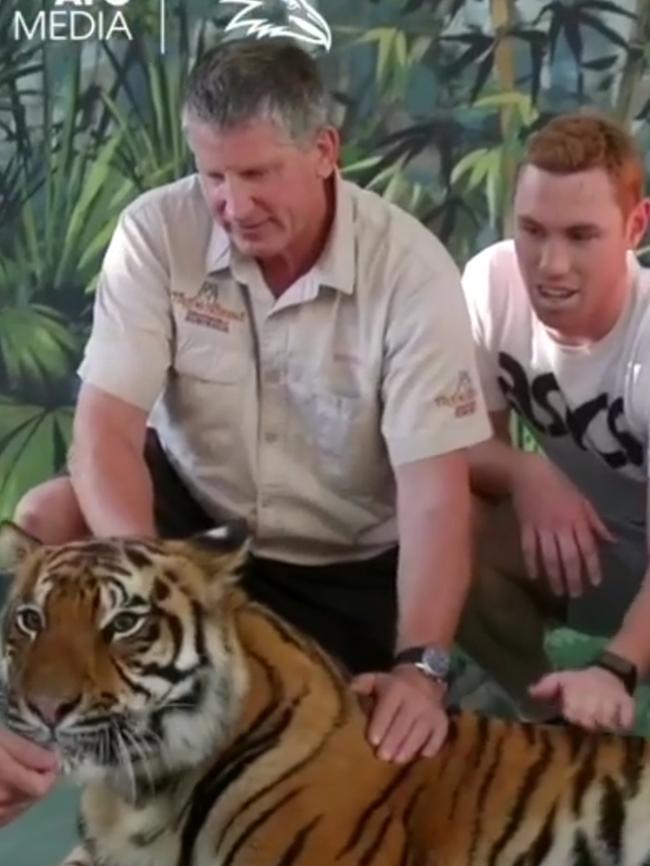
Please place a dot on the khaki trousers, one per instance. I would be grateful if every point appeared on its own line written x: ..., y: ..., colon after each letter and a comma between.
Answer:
x: 504, y: 623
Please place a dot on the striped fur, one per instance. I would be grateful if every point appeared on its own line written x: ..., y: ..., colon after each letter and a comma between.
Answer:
x: 218, y: 736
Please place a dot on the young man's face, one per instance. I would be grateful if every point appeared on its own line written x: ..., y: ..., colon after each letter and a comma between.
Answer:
x: 264, y: 189
x: 572, y: 241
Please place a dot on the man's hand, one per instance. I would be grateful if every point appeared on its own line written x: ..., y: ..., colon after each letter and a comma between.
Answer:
x: 408, y: 717
x: 560, y: 529
x: 27, y: 773
x: 592, y: 698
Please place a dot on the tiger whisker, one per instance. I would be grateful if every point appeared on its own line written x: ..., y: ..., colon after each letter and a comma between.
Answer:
x: 127, y: 764
x: 139, y: 749
x: 105, y: 747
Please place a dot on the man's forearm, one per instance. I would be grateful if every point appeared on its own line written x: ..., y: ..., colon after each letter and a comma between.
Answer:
x: 633, y: 638
x: 493, y: 467
x: 434, y: 569
x: 113, y: 486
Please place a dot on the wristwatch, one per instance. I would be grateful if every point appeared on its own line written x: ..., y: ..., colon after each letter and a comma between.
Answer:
x: 433, y: 661
x: 622, y: 668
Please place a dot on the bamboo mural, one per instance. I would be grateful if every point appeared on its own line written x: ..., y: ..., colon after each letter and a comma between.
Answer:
x: 433, y: 97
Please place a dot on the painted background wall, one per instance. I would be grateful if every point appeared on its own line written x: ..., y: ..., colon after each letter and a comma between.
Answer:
x: 433, y: 97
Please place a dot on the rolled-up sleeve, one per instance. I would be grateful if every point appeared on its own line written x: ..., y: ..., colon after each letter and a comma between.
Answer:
x: 129, y: 351
x: 430, y: 388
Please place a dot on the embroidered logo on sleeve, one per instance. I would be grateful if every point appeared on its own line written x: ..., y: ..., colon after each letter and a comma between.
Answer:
x: 462, y: 399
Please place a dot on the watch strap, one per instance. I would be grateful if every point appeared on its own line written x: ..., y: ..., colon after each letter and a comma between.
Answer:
x: 621, y: 668
x: 410, y: 656
x: 433, y: 661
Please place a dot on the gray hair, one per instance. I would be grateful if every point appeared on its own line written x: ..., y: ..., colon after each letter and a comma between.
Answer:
x: 265, y: 79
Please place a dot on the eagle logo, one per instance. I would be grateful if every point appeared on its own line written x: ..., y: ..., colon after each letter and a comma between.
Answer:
x: 302, y: 22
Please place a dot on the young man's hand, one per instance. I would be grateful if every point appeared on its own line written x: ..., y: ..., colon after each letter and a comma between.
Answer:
x: 560, y: 529
x: 27, y: 773
x: 592, y: 698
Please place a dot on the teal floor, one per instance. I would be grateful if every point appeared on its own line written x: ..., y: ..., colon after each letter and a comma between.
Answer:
x: 43, y: 836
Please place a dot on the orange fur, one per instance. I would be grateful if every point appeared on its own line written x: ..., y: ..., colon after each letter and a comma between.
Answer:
x: 291, y: 779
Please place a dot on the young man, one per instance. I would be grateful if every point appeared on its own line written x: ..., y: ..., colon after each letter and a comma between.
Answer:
x: 303, y: 352
x: 561, y: 321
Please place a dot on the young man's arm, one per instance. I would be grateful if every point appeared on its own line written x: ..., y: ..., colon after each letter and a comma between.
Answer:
x: 107, y: 466
x: 633, y: 638
x: 594, y: 698
x: 559, y: 526
x: 493, y: 463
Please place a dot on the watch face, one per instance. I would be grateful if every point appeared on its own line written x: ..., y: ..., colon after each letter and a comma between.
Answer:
x: 437, y: 661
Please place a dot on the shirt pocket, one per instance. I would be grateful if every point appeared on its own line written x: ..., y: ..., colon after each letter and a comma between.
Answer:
x: 212, y: 359
x: 325, y: 424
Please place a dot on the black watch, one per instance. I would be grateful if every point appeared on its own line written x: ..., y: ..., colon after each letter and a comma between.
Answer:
x: 433, y: 661
x: 622, y: 668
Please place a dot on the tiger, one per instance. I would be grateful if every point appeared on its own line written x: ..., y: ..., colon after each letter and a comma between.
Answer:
x: 207, y: 731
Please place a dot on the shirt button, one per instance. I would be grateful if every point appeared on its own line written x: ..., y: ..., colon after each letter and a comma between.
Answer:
x: 271, y: 438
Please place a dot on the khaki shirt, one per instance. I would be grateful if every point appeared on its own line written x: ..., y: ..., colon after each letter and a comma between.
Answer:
x: 292, y: 412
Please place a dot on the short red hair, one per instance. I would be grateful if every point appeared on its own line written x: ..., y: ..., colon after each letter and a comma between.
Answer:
x: 579, y: 142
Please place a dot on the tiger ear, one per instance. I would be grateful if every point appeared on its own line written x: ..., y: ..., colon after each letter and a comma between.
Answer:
x: 223, y: 551
x: 15, y: 545
x: 227, y: 537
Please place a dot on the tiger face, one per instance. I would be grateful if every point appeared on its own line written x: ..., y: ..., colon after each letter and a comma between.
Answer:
x: 116, y: 655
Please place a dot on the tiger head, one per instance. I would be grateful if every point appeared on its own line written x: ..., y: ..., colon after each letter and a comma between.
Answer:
x: 118, y: 654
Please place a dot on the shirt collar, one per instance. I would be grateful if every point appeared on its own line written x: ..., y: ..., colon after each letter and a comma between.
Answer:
x: 335, y: 265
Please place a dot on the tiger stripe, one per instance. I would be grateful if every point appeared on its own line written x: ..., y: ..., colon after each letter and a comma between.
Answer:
x: 257, y: 823
x: 584, y: 777
x: 294, y: 851
x: 531, y: 779
x: 226, y: 738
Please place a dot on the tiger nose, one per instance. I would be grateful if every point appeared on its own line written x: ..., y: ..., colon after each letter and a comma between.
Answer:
x: 51, y: 709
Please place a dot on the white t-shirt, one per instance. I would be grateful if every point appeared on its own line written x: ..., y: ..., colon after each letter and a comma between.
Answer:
x: 588, y: 406
x: 292, y: 412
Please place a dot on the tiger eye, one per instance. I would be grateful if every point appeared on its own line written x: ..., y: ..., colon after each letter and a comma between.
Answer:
x: 125, y: 622
x: 29, y: 619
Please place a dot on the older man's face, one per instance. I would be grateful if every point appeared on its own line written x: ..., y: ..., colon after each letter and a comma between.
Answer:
x: 264, y: 189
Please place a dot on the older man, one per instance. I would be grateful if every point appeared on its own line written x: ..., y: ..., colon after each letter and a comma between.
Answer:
x: 275, y: 344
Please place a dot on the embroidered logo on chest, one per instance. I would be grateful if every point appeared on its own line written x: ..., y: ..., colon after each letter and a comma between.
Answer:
x: 204, y: 309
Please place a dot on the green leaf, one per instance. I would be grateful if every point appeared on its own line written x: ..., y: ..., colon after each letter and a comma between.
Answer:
x: 393, y: 188
x: 481, y: 168
x: 401, y: 49
x: 594, y: 22
x: 95, y: 182
x: 493, y: 186
x: 33, y: 443
x: 36, y: 347
x: 601, y: 63
x: 521, y: 102
x: 606, y: 6
x: 361, y: 165
x: 419, y: 47
x: 467, y: 163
